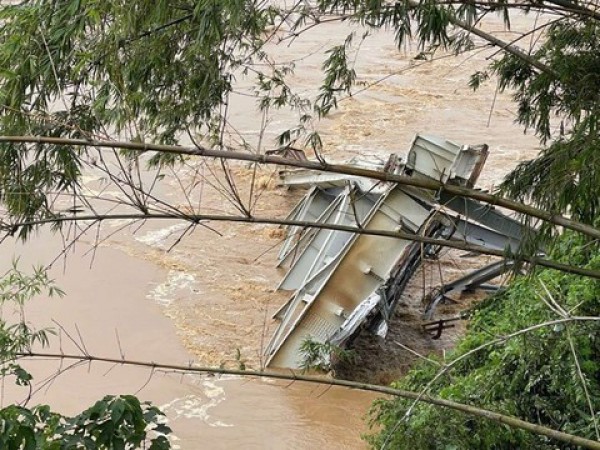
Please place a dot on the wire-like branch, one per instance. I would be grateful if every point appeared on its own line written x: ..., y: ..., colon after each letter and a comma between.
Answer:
x: 511, y: 421
x: 428, y: 184
x: 198, y: 218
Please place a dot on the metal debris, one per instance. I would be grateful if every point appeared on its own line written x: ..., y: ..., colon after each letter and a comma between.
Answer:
x: 343, y: 283
x: 470, y: 282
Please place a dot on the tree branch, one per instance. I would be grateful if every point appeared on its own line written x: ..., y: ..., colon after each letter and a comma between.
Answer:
x: 505, y: 46
x: 511, y: 421
x: 433, y: 185
x: 197, y: 218
x: 575, y: 8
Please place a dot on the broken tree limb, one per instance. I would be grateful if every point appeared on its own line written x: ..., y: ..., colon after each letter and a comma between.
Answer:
x: 198, y: 218
x: 433, y: 185
x: 510, y: 421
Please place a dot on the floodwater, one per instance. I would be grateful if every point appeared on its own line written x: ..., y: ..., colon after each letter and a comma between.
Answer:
x: 209, y: 298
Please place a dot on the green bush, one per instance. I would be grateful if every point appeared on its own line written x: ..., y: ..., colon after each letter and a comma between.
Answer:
x: 537, y: 376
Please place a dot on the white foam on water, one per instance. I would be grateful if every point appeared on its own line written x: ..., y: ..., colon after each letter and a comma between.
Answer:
x: 197, y: 407
x: 116, y: 223
x: 157, y: 238
x: 177, y: 283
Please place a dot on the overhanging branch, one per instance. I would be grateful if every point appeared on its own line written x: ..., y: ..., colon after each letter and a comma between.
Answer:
x: 433, y: 185
x: 511, y: 421
x: 507, y: 47
x: 198, y: 218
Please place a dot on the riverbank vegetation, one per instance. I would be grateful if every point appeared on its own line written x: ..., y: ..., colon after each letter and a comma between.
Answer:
x: 532, y: 352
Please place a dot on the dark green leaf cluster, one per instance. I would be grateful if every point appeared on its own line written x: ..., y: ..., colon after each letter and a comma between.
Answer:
x: 533, y: 375
x: 113, y: 423
x: 157, y: 67
x: 571, y: 93
x: 321, y: 356
x: 87, y: 69
x: 29, y: 174
x: 565, y: 177
x: 339, y: 77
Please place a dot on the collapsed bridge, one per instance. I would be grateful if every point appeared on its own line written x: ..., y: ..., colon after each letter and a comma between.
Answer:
x: 343, y: 282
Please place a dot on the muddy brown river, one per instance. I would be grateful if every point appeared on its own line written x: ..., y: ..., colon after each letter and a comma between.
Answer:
x: 209, y: 298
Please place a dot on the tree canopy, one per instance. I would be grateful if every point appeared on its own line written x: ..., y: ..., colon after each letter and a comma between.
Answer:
x: 157, y: 72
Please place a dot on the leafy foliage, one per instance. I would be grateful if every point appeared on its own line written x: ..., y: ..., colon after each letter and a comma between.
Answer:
x: 338, y: 77
x: 16, y: 336
x: 157, y: 71
x: 112, y: 423
x: 159, y: 66
x: 321, y: 356
x: 565, y: 176
x: 149, y: 70
x: 533, y: 376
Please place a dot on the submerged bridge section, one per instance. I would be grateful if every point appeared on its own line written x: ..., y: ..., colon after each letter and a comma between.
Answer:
x: 341, y: 282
